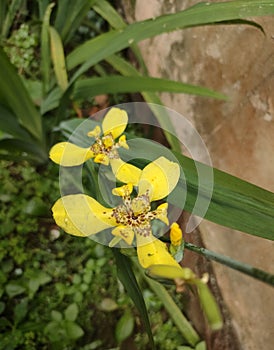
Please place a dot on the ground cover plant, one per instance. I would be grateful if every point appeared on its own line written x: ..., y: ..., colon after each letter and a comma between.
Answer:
x: 52, y: 71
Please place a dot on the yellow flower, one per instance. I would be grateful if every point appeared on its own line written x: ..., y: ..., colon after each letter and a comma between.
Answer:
x: 103, y: 150
x: 82, y: 215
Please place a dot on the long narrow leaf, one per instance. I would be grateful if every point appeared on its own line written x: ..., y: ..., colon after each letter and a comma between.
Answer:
x: 85, y: 88
x: 14, y: 95
x: 74, y: 10
x: 45, y: 49
x: 127, y: 69
x: 106, y: 44
x: 127, y: 277
x: 10, y: 125
x: 111, y: 15
x: 58, y: 58
x: 234, y: 203
x: 13, y: 7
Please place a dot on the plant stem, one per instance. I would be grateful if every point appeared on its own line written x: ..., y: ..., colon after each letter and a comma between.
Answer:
x: 183, y: 325
x: 234, y: 264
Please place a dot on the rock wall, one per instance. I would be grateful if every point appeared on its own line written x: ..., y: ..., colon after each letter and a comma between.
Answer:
x: 238, y: 61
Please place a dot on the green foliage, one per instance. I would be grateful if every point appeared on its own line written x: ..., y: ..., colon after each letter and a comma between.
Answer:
x: 54, y: 289
x: 45, y: 67
x: 57, y: 291
x: 21, y: 47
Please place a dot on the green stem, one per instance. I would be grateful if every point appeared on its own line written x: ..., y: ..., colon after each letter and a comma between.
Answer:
x: 234, y: 264
x: 183, y: 325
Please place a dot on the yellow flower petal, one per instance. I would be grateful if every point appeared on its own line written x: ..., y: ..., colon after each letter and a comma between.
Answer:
x: 124, y: 172
x: 151, y: 251
x: 176, y: 234
x: 95, y: 132
x: 123, y: 142
x: 123, y: 191
x: 108, y: 141
x: 125, y: 233
x: 159, y: 178
x: 162, y: 213
x: 115, y: 122
x: 102, y: 159
x: 81, y: 215
x: 68, y: 154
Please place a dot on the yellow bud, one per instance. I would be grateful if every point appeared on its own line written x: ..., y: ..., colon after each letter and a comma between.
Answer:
x: 176, y: 234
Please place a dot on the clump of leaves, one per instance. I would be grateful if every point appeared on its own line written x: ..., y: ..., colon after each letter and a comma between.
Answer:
x: 21, y: 48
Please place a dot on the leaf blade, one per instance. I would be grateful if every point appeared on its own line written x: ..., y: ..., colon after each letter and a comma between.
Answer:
x: 127, y: 277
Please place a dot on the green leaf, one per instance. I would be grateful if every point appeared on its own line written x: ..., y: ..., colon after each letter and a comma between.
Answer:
x: 106, y: 11
x: 12, y: 8
x: 14, y: 288
x: 71, y: 312
x: 124, y: 327
x: 10, y: 125
x: 56, y: 316
x: 15, y: 97
x: 22, y: 148
x: 234, y: 203
x: 58, y: 58
x: 127, y: 69
x: 86, y: 88
x: 37, y: 207
x: 37, y: 278
x: 201, y: 346
x: 20, y: 311
x: 127, y: 277
x: 73, y: 331
x: 95, y: 50
x: 45, y: 49
x: 111, y: 15
x: 74, y: 10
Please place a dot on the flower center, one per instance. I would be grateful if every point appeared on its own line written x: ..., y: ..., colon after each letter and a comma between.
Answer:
x: 135, y: 214
x: 105, y: 145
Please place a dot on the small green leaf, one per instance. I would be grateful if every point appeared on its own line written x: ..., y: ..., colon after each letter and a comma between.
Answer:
x: 56, y: 316
x: 124, y: 327
x: 20, y: 311
x: 37, y: 207
x: 201, y: 346
x: 71, y: 312
x: 13, y: 289
x: 73, y: 331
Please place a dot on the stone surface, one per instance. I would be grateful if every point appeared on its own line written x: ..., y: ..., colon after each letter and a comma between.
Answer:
x: 239, y: 133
